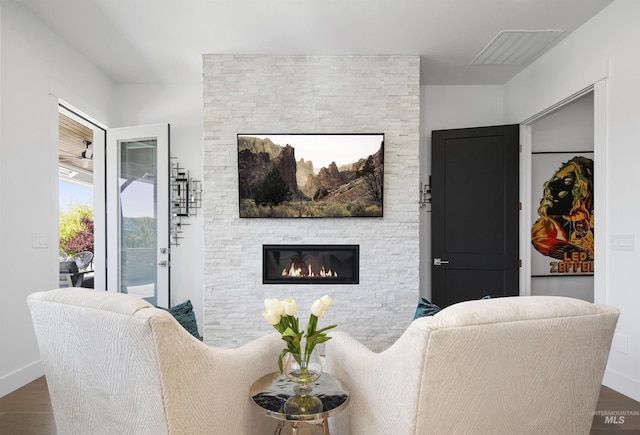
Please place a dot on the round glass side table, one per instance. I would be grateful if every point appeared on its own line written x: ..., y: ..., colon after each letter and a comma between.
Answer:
x: 270, y: 392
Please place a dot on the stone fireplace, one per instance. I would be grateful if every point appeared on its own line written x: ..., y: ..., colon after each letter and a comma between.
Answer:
x: 310, y: 94
x: 310, y: 264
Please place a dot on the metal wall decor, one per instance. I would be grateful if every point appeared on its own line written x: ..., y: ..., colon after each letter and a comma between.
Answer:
x: 185, y: 197
x: 425, y: 194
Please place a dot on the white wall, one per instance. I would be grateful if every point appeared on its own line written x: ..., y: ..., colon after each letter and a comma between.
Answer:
x: 311, y: 94
x: 37, y: 68
x: 181, y: 107
x: 443, y: 108
x: 604, y: 52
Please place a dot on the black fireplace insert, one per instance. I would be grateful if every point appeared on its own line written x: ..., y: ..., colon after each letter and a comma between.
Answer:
x: 310, y: 264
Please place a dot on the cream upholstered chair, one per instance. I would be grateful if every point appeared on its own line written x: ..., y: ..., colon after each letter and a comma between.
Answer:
x: 117, y: 365
x: 518, y: 365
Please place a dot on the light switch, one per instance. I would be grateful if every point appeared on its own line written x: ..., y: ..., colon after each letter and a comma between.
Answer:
x: 39, y: 240
x: 622, y: 343
x: 622, y: 242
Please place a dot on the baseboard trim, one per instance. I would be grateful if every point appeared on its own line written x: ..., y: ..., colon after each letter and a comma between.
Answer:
x: 623, y: 384
x: 20, y: 377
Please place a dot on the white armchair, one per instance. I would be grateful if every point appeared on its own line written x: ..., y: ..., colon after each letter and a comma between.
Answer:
x: 519, y: 365
x: 115, y: 364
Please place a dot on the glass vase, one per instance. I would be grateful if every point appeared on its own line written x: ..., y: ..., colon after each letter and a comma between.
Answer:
x: 303, y: 371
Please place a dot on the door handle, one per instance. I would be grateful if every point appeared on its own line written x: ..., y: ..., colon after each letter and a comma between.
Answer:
x: 439, y: 261
x: 163, y: 263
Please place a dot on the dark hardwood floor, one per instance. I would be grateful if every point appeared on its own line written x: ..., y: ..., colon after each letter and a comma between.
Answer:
x: 27, y: 411
x: 615, y: 414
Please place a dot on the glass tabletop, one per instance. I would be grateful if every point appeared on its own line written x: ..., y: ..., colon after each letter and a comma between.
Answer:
x: 271, y: 391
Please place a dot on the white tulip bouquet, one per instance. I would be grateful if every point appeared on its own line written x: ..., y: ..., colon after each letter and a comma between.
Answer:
x: 281, y: 314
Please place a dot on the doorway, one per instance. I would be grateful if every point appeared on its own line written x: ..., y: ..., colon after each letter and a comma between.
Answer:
x: 559, y: 137
x: 131, y: 188
x: 80, y: 199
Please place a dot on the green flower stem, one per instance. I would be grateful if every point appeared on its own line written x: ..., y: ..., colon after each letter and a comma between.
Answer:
x: 288, y: 327
x: 304, y: 374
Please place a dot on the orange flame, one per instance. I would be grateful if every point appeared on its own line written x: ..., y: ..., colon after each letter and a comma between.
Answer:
x: 296, y: 272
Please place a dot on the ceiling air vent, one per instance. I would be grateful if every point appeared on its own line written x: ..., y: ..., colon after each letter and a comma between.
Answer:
x: 515, y: 47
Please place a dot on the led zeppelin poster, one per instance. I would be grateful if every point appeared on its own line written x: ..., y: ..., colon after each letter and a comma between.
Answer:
x: 562, y: 230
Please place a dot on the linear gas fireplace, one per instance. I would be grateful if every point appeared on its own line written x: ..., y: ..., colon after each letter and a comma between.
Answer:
x: 310, y: 264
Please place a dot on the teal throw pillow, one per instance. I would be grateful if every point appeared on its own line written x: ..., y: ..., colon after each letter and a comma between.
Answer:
x: 425, y: 308
x: 185, y: 316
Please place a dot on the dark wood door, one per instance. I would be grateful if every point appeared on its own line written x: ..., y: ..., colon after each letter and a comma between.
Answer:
x: 475, y: 211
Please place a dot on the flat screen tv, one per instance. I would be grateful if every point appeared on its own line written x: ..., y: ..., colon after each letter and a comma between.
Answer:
x: 310, y: 175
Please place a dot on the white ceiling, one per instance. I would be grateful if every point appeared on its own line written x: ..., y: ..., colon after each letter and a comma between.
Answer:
x: 161, y: 41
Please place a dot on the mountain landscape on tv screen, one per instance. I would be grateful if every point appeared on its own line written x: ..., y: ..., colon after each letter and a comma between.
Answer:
x: 276, y: 182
